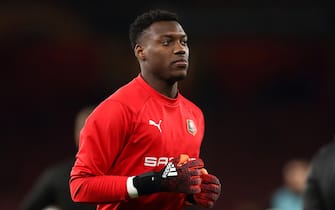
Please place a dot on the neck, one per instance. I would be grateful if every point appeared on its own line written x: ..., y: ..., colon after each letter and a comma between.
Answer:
x: 169, y: 89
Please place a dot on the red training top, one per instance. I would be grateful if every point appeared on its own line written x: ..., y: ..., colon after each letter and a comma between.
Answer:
x: 133, y: 131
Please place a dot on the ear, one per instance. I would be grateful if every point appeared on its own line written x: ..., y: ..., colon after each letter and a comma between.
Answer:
x: 139, y: 52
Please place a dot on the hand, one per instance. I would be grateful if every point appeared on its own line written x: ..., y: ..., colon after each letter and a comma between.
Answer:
x: 210, y: 190
x: 179, y: 175
x: 182, y: 175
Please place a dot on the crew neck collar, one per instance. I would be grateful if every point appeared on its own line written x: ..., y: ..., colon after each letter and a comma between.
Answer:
x: 155, y: 93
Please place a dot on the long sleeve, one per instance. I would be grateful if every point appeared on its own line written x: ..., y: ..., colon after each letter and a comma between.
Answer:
x: 100, y: 142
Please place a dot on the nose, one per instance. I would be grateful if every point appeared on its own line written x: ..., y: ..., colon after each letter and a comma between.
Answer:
x: 180, y: 48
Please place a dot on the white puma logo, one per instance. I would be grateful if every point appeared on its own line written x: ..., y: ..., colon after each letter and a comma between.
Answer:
x: 158, y: 125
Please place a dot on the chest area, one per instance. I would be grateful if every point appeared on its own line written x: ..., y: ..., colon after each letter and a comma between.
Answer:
x: 168, y: 125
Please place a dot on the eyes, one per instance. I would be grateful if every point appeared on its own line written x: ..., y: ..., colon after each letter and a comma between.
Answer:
x: 170, y: 41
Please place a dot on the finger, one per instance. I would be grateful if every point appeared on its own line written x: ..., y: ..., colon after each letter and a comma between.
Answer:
x: 203, y: 201
x: 195, y: 180
x: 197, y: 163
x: 208, y: 196
x: 194, y: 172
x: 211, y: 188
x: 203, y: 171
x: 194, y: 189
x: 183, y: 158
x: 210, y: 179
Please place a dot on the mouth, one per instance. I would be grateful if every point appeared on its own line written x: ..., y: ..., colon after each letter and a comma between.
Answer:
x: 180, y: 62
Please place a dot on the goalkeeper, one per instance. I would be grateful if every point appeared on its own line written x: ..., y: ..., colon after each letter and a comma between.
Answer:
x: 131, y: 147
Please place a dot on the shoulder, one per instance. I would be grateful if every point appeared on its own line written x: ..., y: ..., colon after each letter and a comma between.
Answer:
x: 130, y: 96
x: 326, y: 152
x: 282, y: 195
x: 282, y: 191
x: 55, y: 172
x: 190, y: 105
x: 62, y: 167
x: 322, y: 164
x: 328, y: 149
x: 120, y: 106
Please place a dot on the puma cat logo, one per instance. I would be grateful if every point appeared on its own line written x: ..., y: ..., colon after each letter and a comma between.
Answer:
x: 158, y: 125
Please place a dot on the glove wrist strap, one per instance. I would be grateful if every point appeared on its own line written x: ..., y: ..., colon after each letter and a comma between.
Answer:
x: 147, y: 183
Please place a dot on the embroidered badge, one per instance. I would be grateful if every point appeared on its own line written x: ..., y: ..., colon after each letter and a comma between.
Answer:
x: 191, y: 128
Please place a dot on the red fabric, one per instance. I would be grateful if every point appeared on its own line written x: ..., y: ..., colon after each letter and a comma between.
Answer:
x: 135, y: 130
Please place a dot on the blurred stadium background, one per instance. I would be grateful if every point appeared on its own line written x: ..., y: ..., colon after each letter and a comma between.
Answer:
x: 262, y: 71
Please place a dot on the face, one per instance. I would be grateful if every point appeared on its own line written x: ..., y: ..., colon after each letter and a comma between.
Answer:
x: 295, y: 177
x: 163, y: 52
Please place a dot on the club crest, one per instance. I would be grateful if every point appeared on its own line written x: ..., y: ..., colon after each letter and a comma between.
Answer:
x: 191, y: 128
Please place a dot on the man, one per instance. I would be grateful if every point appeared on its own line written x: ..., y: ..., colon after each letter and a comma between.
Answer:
x: 51, y: 190
x: 140, y: 148
x: 289, y: 196
x: 320, y: 186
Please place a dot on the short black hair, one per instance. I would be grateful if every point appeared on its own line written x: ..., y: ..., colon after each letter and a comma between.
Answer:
x: 145, y: 20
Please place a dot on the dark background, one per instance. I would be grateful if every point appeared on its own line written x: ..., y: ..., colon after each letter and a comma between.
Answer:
x: 262, y: 72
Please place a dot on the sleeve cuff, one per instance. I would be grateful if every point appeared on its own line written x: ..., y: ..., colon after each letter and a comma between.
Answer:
x: 132, y: 191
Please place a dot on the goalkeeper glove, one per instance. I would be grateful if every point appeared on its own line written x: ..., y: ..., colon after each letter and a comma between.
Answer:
x: 210, y: 191
x: 179, y: 175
